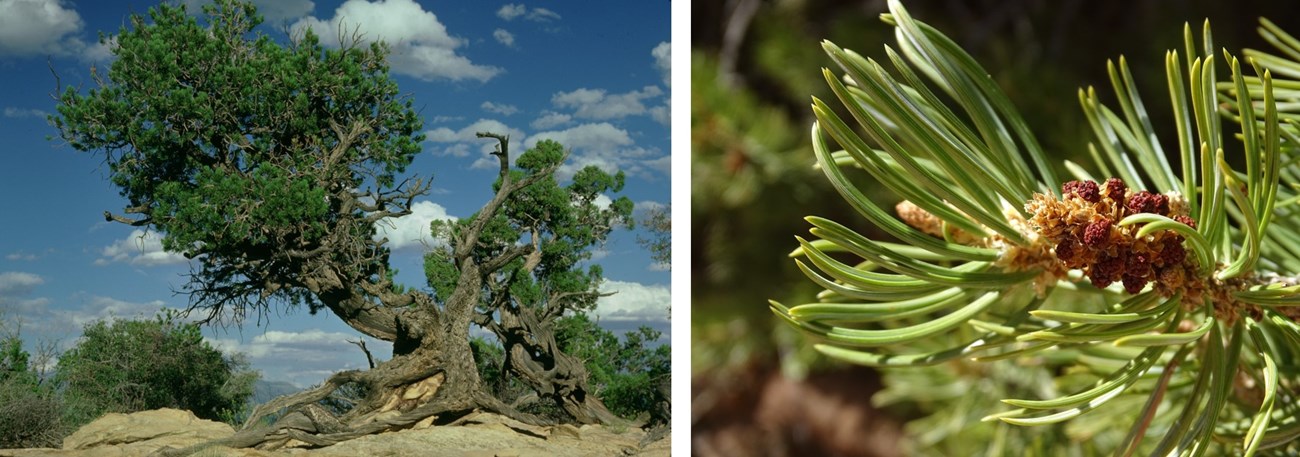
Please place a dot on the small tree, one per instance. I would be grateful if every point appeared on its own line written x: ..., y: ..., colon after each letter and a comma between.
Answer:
x: 135, y: 365
x: 13, y: 359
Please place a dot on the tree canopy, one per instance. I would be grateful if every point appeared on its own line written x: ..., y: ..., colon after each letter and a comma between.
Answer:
x: 268, y: 163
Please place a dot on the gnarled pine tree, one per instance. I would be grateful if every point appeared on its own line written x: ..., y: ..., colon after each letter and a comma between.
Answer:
x: 1179, y: 286
x: 527, y: 286
x: 270, y: 166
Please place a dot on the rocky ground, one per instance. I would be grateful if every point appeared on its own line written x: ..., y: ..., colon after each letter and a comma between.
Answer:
x: 479, y: 435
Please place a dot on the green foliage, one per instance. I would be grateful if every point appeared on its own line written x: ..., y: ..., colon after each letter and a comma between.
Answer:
x: 488, y: 357
x: 13, y: 359
x: 135, y: 365
x: 660, y: 242
x: 995, y: 264
x: 247, y: 154
x: 562, y: 221
x: 626, y: 374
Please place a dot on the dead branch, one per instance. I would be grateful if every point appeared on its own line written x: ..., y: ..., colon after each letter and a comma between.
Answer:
x: 362, y: 344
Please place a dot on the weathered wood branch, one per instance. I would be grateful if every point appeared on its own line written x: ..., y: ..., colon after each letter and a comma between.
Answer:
x: 110, y: 217
x: 370, y: 360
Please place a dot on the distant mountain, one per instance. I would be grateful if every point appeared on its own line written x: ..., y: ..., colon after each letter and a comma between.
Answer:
x: 264, y: 391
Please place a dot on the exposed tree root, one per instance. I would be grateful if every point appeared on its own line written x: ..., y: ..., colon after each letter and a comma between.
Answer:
x: 402, y: 403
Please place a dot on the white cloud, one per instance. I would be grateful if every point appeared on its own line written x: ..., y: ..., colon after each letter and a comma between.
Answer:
x: 586, y: 136
x: 598, y: 104
x: 504, y: 37
x: 643, y: 206
x: 441, y: 119
x: 35, y: 27
x: 412, y: 230
x: 542, y: 15
x: 460, y: 143
x: 99, y: 51
x: 663, y: 62
x: 510, y: 11
x: 662, y: 114
x: 633, y: 302
x: 139, y: 248
x: 502, y: 108
x: 663, y: 56
x: 421, y: 45
x: 17, y: 307
x: 662, y: 164
x: 602, y: 201
x: 304, y: 357
x: 600, y: 144
x: 21, y: 255
x: 551, y: 119
x: 63, y: 324
x: 11, y: 111
x: 15, y: 283
x: 513, y: 11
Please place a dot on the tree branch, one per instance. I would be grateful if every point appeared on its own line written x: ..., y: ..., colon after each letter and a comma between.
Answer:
x: 506, y: 257
x: 110, y: 217
x: 362, y: 344
x: 507, y: 187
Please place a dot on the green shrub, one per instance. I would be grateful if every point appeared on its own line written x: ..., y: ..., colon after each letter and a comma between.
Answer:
x: 30, y: 415
x: 29, y: 411
x: 136, y: 365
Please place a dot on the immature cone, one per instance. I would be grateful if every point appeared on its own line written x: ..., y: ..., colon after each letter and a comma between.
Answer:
x: 1082, y: 226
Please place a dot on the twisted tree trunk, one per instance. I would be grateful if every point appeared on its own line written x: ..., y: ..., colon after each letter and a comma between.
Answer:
x: 532, y: 355
x: 432, y: 377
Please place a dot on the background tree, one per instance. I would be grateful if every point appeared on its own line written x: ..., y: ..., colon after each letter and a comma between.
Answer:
x: 30, y: 410
x: 631, y: 377
x: 135, y: 365
x: 13, y: 359
x: 269, y: 166
x: 557, y: 227
x: 658, y: 221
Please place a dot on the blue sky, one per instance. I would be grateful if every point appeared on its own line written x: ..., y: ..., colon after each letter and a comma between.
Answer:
x: 594, y: 77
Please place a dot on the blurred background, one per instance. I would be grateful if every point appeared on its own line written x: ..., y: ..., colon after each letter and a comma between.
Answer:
x: 757, y: 388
